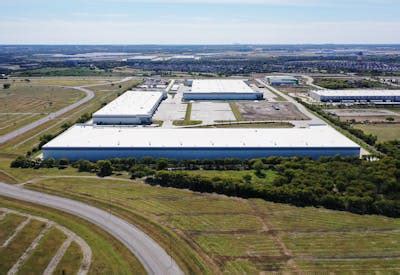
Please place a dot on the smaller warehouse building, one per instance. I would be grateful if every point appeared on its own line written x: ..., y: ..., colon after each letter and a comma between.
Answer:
x: 282, y: 80
x: 221, y: 89
x: 131, y: 108
x: 356, y: 96
x: 93, y: 142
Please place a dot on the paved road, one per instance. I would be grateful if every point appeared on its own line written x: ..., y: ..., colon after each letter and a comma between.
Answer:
x: 89, y: 96
x: 310, y: 82
x: 153, y: 257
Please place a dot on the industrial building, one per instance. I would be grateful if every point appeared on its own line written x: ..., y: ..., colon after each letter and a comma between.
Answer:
x: 356, y: 96
x: 282, y: 80
x: 131, y: 108
x: 94, y: 142
x: 218, y: 89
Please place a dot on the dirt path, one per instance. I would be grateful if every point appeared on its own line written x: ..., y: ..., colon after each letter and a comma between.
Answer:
x: 51, y: 267
x: 29, y: 251
x: 16, y: 232
x: 267, y: 228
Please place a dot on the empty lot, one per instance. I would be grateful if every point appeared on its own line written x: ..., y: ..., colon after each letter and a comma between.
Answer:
x: 209, y: 112
x: 362, y: 115
x: 263, y: 110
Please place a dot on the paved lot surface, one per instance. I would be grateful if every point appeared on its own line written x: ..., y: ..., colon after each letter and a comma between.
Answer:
x: 171, y: 109
x: 208, y: 112
x: 153, y: 257
x: 263, y: 110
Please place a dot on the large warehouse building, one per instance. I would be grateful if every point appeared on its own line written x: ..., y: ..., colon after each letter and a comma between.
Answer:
x: 103, y: 142
x: 131, y: 108
x: 218, y: 89
x: 361, y: 96
x: 282, y: 80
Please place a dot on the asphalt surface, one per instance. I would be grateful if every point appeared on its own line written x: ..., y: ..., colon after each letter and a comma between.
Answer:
x: 152, y: 256
x: 89, y: 96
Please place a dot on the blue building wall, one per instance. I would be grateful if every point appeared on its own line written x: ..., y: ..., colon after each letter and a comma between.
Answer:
x: 95, y: 154
x: 222, y: 96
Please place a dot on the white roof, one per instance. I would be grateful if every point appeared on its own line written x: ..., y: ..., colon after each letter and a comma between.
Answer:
x: 91, y: 136
x: 131, y: 103
x: 358, y: 92
x: 220, y: 86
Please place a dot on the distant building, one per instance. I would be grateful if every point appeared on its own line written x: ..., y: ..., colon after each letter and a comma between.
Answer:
x: 282, y: 80
x: 93, y: 142
x: 218, y: 89
x: 131, y: 108
x: 357, y: 96
x: 3, y: 76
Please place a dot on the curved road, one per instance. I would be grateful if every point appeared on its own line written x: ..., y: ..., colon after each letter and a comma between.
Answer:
x: 153, y: 257
x: 89, y: 96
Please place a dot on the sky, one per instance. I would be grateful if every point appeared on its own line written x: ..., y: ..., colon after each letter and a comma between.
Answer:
x: 199, y: 22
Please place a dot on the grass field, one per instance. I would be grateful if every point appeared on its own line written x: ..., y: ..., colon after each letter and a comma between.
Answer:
x: 25, y: 103
x: 212, y: 233
x: 103, y: 93
x: 109, y: 256
x: 384, y: 132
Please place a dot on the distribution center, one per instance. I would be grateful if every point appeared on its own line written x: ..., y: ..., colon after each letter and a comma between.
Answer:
x: 373, y: 96
x: 94, y: 142
x: 131, y: 108
x: 218, y: 89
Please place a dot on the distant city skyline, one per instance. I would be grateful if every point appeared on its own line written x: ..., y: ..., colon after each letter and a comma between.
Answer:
x: 200, y: 22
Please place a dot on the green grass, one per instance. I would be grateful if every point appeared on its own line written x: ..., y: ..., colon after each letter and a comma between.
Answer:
x: 384, y: 132
x: 235, y: 110
x: 186, y: 122
x: 67, y: 71
x: 43, y: 253
x: 17, y: 247
x: 345, y: 244
x: 240, y: 267
x: 103, y: 93
x: 188, y: 113
x: 238, y: 245
x: 109, y: 255
x: 70, y: 262
x: 8, y: 225
x: 33, y: 102
x: 214, y: 222
x: 216, y: 234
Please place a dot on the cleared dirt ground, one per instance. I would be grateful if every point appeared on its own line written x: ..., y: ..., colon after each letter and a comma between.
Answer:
x: 263, y: 110
x: 365, y: 115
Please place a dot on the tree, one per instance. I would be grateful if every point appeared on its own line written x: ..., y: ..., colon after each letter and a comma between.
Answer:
x: 6, y: 86
x: 65, y: 126
x: 85, y: 166
x: 141, y: 171
x: 162, y: 164
x: 247, y: 178
x: 105, y: 168
x: 259, y: 166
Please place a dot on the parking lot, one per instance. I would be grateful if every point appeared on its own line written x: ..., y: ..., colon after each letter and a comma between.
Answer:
x: 209, y: 112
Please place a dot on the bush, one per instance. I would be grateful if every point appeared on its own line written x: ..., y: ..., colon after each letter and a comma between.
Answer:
x: 104, y: 168
x: 141, y: 171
